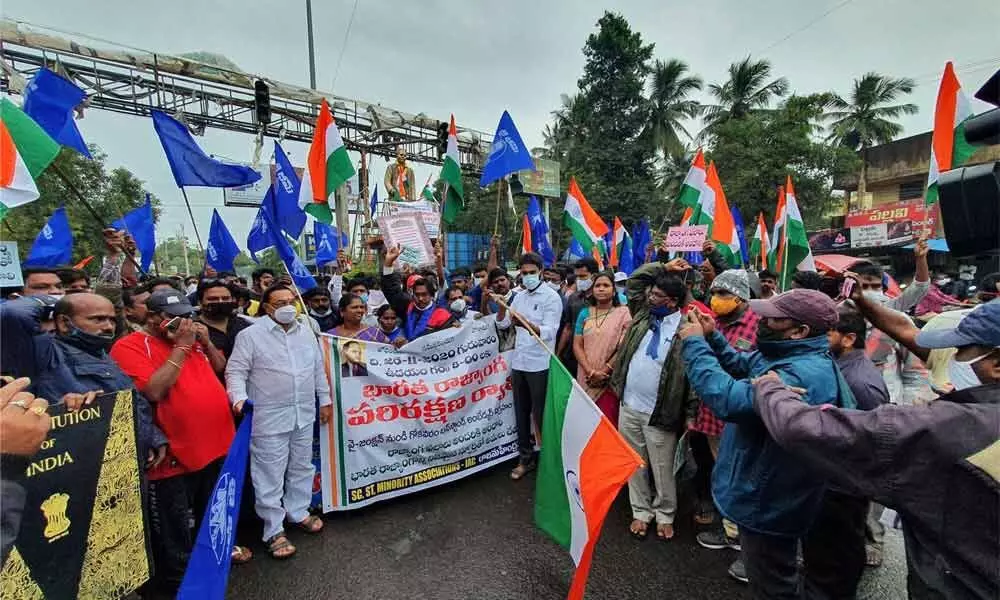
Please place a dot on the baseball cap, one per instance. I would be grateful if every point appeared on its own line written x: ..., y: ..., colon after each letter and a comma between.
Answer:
x: 810, y: 307
x: 170, y: 302
x: 981, y: 327
x: 620, y: 276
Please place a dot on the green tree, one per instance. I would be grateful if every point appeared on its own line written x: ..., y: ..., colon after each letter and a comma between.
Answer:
x: 111, y: 194
x: 755, y: 153
x: 669, y: 105
x: 746, y: 91
x: 609, y: 157
x: 867, y: 116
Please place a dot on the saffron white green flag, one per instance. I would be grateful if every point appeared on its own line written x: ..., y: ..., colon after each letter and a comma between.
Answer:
x: 329, y: 166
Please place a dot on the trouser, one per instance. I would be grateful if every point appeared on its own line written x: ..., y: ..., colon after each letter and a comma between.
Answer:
x: 874, y: 529
x: 771, y: 565
x: 176, y: 508
x: 282, y: 472
x: 656, y: 447
x: 834, y: 548
x: 529, y: 401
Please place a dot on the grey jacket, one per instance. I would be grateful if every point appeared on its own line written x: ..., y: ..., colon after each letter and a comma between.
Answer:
x: 935, y: 465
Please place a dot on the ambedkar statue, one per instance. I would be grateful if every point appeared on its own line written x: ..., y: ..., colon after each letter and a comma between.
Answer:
x: 399, y: 178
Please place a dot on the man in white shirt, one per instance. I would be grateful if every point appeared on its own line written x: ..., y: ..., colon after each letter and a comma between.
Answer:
x: 277, y: 364
x: 539, y: 308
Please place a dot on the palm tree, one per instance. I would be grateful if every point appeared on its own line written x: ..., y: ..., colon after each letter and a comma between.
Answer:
x: 746, y: 91
x: 669, y: 105
x: 868, y: 117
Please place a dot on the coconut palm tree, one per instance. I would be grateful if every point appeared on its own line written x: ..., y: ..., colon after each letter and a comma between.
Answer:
x: 867, y: 118
x: 669, y: 105
x: 747, y: 90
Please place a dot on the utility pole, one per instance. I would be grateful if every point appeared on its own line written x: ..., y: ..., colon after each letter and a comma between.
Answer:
x: 184, y: 250
x: 309, y: 36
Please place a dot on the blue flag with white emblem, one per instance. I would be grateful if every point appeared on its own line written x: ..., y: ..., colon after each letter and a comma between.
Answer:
x: 51, y: 100
x: 54, y: 245
x: 741, y: 234
x: 296, y: 268
x: 189, y: 163
x: 259, y: 238
x: 221, y: 249
x: 326, y: 241
x: 539, y: 231
x: 290, y: 217
x: 641, y: 238
x: 139, y: 224
x: 508, y: 153
x: 208, y: 567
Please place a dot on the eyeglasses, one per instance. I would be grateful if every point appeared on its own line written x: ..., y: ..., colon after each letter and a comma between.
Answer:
x: 280, y: 304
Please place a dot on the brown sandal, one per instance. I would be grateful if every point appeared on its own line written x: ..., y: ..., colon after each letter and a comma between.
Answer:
x: 311, y: 524
x: 664, y: 531
x: 277, y: 544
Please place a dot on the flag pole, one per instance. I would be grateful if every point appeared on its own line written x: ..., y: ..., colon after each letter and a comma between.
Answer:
x: 197, y: 236
x: 496, y: 223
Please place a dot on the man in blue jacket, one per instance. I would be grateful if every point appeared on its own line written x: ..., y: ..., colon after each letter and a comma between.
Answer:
x: 769, y: 493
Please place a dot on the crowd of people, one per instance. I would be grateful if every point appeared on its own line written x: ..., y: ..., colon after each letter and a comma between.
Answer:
x: 808, y: 412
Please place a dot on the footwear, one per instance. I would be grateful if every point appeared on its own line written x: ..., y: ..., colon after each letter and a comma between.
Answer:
x: 639, y: 529
x: 873, y: 556
x: 738, y: 571
x: 717, y: 540
x: 279, y: 547
x: 311, y: 524
x: 521, y: 470
x: 664, y: 531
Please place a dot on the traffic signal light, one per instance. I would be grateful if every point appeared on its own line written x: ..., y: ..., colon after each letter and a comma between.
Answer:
x: 262, y: 102
x: 442, y: 138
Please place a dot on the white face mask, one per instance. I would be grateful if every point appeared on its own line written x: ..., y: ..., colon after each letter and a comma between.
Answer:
x: 318, y: 313
x: 458, y: 305
x: 554, y: 285
x: 962, y: 374
x: 875, y: 296
x: 285, y: 315
x: 477, y: 281
x: 582, y: 285
x: 192, y: 288
x: 531, y: 281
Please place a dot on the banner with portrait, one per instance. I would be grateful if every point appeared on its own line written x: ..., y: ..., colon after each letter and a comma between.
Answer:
x: 407, y: 419
x: 83, y: 531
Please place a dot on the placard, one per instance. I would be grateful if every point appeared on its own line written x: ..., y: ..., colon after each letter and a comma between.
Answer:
x: 409, y: 233
x: 686, y: 238
x: 10, y: 265
x: 428, y: 211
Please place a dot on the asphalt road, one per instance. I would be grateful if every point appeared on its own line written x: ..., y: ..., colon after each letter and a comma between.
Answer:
x: 475, y: 539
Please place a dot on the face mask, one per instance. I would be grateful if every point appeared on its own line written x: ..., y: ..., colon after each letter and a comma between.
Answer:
x: 582, y: 285
x: 620, y: 289
x: 554, y: 285
x: 875, y: 296
x: 284, y: 315
x: 192, y: 288
x: 662, y: 311
x: 723, y: 306
x: 961, y: 373
x: 214, y: 310
x: 90, y: 343
x: 364, y: 298
x: 766, y: 334
x: 531, y: 281
x: 477, y: 281
x: 323, y: 313
x: 457, y: 306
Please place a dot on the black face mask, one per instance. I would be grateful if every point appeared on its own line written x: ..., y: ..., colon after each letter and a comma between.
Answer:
x: 218, y: 310
x: 91, y: 343
x: 767, y: 334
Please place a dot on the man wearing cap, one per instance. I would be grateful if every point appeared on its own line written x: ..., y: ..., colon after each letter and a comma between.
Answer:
x: 174, y: 364
x: 765, y: 490
x: 936, y: 465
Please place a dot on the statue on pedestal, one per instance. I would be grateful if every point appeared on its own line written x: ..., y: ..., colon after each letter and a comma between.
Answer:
x: 399, y: 178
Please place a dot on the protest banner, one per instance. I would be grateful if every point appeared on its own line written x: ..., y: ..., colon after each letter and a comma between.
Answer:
x: 83, y: 531
x: 410, y: 234
x: 10, y: 265
x: 428, y: 211
x: 686, y: 238
x: 431, y: 412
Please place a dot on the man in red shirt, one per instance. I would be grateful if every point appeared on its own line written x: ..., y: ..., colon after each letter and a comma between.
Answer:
x: 174, y: 363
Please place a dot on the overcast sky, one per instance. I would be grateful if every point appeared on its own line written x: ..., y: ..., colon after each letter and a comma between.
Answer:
x: 475, y: 59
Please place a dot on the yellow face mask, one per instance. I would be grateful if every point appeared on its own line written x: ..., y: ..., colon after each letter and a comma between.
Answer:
x: 724, y: 306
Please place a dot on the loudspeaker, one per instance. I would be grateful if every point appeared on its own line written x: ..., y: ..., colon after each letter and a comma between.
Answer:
x: 969, y: 199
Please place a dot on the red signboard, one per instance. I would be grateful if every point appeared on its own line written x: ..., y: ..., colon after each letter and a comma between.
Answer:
x: 914, y: 212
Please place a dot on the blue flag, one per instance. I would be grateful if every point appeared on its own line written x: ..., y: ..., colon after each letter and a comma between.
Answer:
x: 576, y: 250
x: 374, y: 200
x: 189, y: 164
x: 327, y: 244
x: 50, y: 100
x: 741, y: 234
x: 539, y: 231
x: 138, y: 222
x: 296, y: 268
x: 259, y: 238
x: 54, y: 245
x: 641, y: 238
x: 508, y: 153
x: 290, y: 217
x: 626, y: 262
x: 207, y: 571
x: 221, y: 249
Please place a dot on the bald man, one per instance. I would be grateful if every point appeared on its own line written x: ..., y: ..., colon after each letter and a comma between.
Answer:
x: 73, y: 365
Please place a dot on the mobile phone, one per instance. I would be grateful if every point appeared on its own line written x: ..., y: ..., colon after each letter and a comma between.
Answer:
x: 847, y: 287
x: 172, y: 324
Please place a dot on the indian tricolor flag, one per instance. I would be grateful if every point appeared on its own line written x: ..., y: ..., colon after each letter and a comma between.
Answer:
x: 619, y: 233
x: 777, y: 231
x: 329, y: 167
x: 451, y: 174
x: 759, y: 245
x: 714, y: 211
x: 526, y: 235
x: 949, y: 148
x: 694, y: 183
x: 25, y: 151
x: 583, y: 464
x: 793, y: 248
x: 583, y: 222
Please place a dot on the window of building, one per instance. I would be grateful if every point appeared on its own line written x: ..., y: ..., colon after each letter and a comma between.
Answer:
x: 911, y: 190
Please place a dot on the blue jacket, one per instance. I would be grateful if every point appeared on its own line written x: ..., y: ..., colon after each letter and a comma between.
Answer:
x: 756, y: 483
x: 57, y: 368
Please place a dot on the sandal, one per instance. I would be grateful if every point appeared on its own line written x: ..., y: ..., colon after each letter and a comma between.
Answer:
x: 665, y: 531
x: 311, y: 524
x: 521, y: 470
x: 279, y: 547
x: 240, y: 555
x: 639, y: 529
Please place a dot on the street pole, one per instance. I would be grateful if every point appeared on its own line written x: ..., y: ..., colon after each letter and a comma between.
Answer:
x: 184, y: 249
x: 309, y: 36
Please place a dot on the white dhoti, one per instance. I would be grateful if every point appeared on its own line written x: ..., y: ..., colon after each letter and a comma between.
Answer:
x: 282, y: 471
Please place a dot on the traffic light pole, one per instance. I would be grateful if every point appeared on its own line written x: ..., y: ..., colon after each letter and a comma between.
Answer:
x: 309, y: 36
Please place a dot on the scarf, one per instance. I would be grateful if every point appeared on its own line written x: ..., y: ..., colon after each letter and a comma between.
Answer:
x: 655, y: 318
x: 416, y: 325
